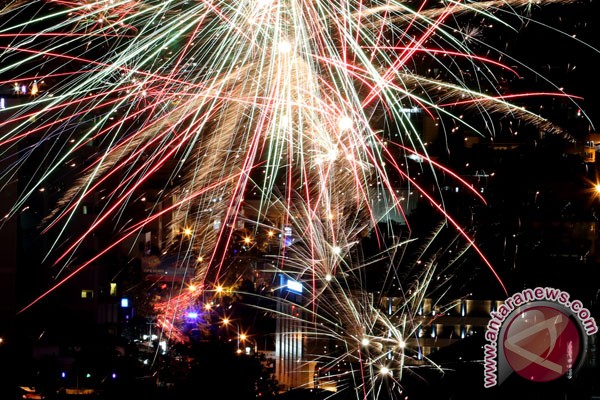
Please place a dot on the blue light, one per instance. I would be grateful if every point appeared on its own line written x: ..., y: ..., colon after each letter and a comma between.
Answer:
x: 287, y: 234
x: 124, y: 302
x: 192, y: 315
x: 294, y: 286
x: 63, y: 374
x: 114, y: 376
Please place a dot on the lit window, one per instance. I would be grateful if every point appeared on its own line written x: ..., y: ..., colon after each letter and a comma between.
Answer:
x: 113, y: 289
x: 87, y: 294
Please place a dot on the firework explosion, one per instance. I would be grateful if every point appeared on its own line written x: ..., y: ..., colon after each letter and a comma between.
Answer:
x: 302, y: 109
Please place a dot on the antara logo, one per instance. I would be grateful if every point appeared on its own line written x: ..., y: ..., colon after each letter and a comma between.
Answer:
x: 537, y: 334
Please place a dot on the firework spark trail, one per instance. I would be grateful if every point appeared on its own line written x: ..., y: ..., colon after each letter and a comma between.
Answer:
x: 355, y: 318
x: 295, y: 99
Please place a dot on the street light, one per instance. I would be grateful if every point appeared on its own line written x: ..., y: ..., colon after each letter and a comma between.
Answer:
x: 243, y: 337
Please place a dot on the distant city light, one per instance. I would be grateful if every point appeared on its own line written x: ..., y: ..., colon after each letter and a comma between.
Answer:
x: 124, y: 302
x: 416, y: 157
x: 412, y: 110
x: 294, y: 286
x: 192, y: 315
x: 288, y: 238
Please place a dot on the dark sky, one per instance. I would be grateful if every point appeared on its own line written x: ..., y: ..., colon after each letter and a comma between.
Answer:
x: 565, y: 51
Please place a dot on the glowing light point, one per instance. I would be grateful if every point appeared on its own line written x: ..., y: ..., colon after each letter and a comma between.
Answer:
x: 597, y: 188
x: 284, y: 47
x: 365, y: 342
x: 284, y: 120
x: 187, y: 231
x: 345, y: 123
x: 332, y: 155
x: 337, y: 250
x: 401, y: 344
x: 385, y: 371
x: 328, y: 277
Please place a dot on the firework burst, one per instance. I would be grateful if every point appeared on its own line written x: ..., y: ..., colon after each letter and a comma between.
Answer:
x: 302, y: 109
